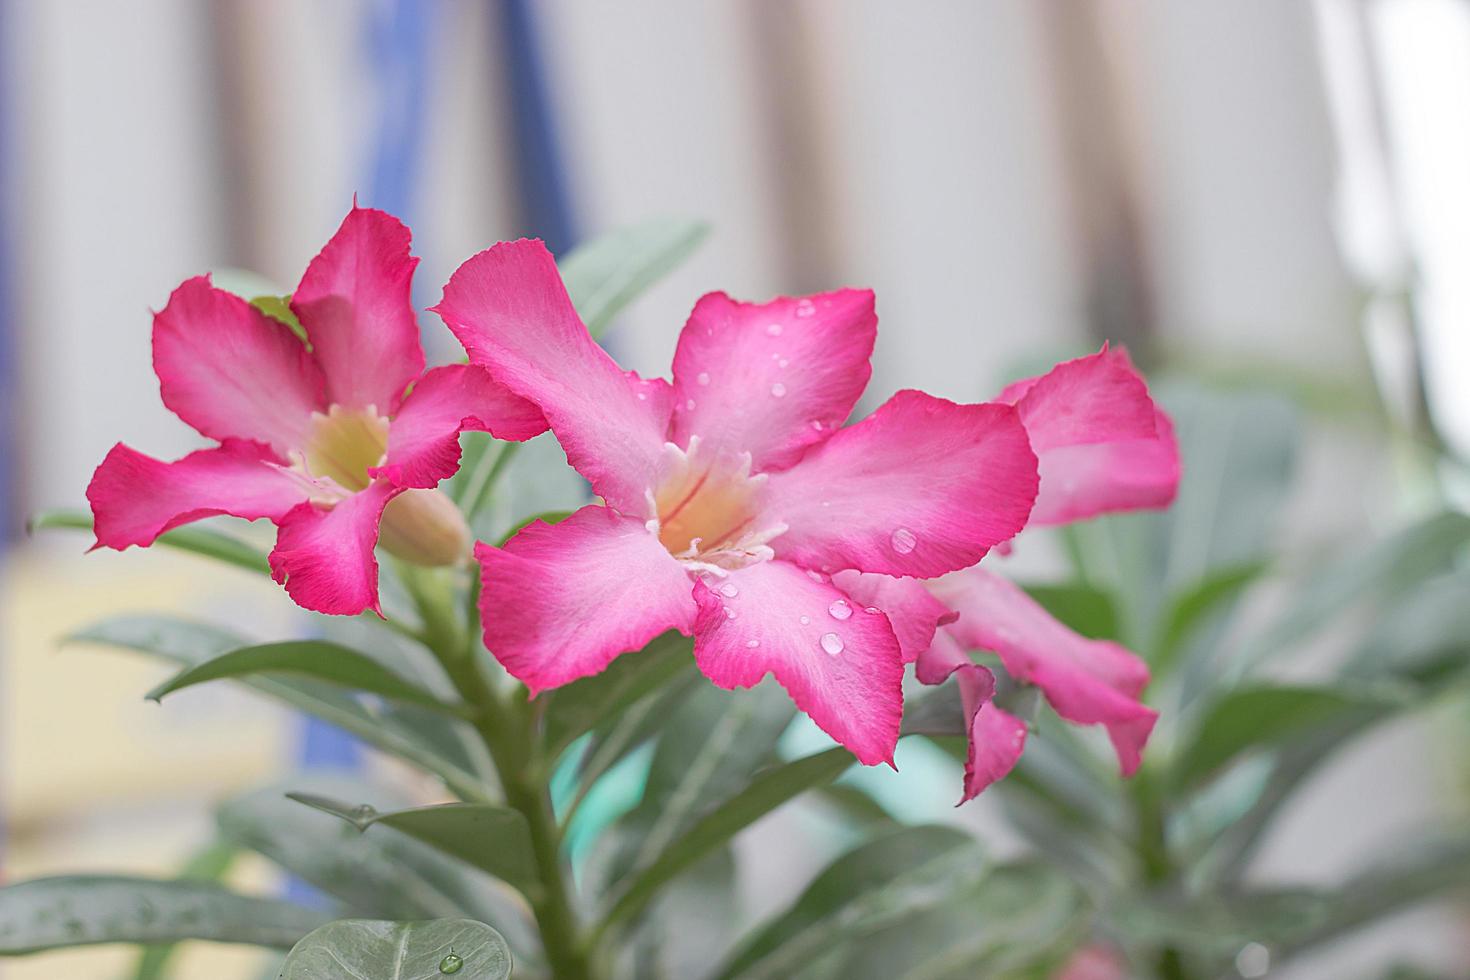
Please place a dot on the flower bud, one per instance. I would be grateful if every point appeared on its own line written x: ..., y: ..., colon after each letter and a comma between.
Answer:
x: 424, y: 527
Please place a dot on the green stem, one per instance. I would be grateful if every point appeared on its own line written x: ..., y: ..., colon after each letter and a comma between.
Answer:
x: 1156, y: 861
x: 507, y: 725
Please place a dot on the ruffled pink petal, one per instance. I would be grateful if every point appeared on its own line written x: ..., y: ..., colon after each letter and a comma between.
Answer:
x: 509, y: 308
x: 1102, y: 444
x: 354, y: 303
x: 997, y: 738
x: 232, y: 372
x: 840, y: 663
x: 912, y: 610
x: 1078, y: 482
x: 561, y: 601
x: 135, y: 498
x: 771, y: 378
x: 1090, y: 682
x: 423, y: 438
x: 920, y: 487
x: 324, y: 556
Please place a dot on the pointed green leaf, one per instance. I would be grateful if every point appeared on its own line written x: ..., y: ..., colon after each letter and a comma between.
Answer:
x: 316, y: 659
x: 365, y: 949
x: 494, y: 839
x: 1189, y: 610
x: 196, y: 540
x: 81, y: 910
x: 609, y: 272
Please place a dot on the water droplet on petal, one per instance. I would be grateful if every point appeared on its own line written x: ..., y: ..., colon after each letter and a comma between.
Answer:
x: 832, y: 643
x: 839, y: 609
x: 774, y: 330
x: 806, y: 620
x: 729, y: 613
x: 782, y: 362
x: 814, y: 575
x: 871, y: 609
x: 689, y: 405
x: 642, y: 396
x: 805, y: 308
x: 703, y: 378
x: 778, y: 389
x: 752, y: 644
x: 452, y: 963
x: 729, y: 591
x: 903, y: 541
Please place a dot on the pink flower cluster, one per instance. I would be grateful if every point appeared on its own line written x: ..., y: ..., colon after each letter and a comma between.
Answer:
x: 737, y: 505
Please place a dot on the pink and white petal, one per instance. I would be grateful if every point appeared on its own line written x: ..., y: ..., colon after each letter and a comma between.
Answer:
x: 423, y: 438
x: 354, y: 301
x: 1093, y: 399
x: 1090, y: 682
x: 840, y: 663
x: 560, y: 602
x: 912, y: 610
x: 771, y: 378
x: 1078, y: 482
x: 324, y: 555
x: 508, y: 306
x: 232, y: 372
x: 135, y: 498
x: 996, y: 737
x: 921, y: 487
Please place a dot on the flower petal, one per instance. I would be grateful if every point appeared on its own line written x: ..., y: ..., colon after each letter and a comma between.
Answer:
x: 423, y: 438
x: 912, y: 610
x: 920, y: 487
x: 560, y: 602
x: 1090, y: 682
x: 997, y: 738
x: 354, y: 303
x: 1102, y: 443
x: 509, y: 308
x: 324, y: 556
x: 232, y: 372
x: 771, y: 378
x: 135, y: 498
x: 1078, y: 482
x: 840, y: 663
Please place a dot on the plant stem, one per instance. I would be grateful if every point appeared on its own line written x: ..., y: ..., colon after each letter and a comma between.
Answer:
x: 507, y: 727
x: 1155, y: 859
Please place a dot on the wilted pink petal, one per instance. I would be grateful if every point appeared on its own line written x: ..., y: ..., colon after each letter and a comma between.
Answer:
x: 1102, y: 444
x: 1078, y: 482
x: 839, y: 662
x: 911, y: 608
x: 232, y: 372
x: 354, y: 303
x: 1086, y: 681
x: 771, y: 378
x: 997, y: 738
x: 921, y: 487
x: 508, y: 306
x: 423, y: 438
x: 560, y: 602
x: 135, y: 498
x: 324, y: 556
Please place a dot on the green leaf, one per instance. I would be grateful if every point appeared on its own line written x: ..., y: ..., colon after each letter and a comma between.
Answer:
x: 494, y: 839
x: 769, y: 790
x: 366, y: 949
x: 1087, y: 610
x: 190, y: 644
x: 609, y: 272
x: 317, y: 659
x: 938, y: 713
x: 82, y: 910
x: 1216, y: 591
x: 1260, y: 717
x: 209, y: 864
x: 587, y: 703
x: 876, y: 882
x: 278, y: 308
x: 196, y: 540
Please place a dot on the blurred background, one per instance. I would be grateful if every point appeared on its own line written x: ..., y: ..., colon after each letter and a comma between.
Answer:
x: 1272, y: 194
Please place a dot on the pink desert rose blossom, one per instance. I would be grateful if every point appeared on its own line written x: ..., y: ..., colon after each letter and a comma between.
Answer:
x: 324, y: 438
x: 1103, y: 446
x: 732, y: 495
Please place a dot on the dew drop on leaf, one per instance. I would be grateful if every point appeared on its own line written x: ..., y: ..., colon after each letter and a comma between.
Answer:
x: 452, y: 963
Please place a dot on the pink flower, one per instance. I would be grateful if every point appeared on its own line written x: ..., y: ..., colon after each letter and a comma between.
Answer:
x: 325, y: 439
x: 1103, y: 446
x: 733, y: 494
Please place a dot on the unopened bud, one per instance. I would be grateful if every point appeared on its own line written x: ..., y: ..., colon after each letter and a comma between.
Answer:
x: 423, y: 527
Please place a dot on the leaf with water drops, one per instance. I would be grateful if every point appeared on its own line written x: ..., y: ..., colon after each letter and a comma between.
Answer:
x: 368, y: 949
